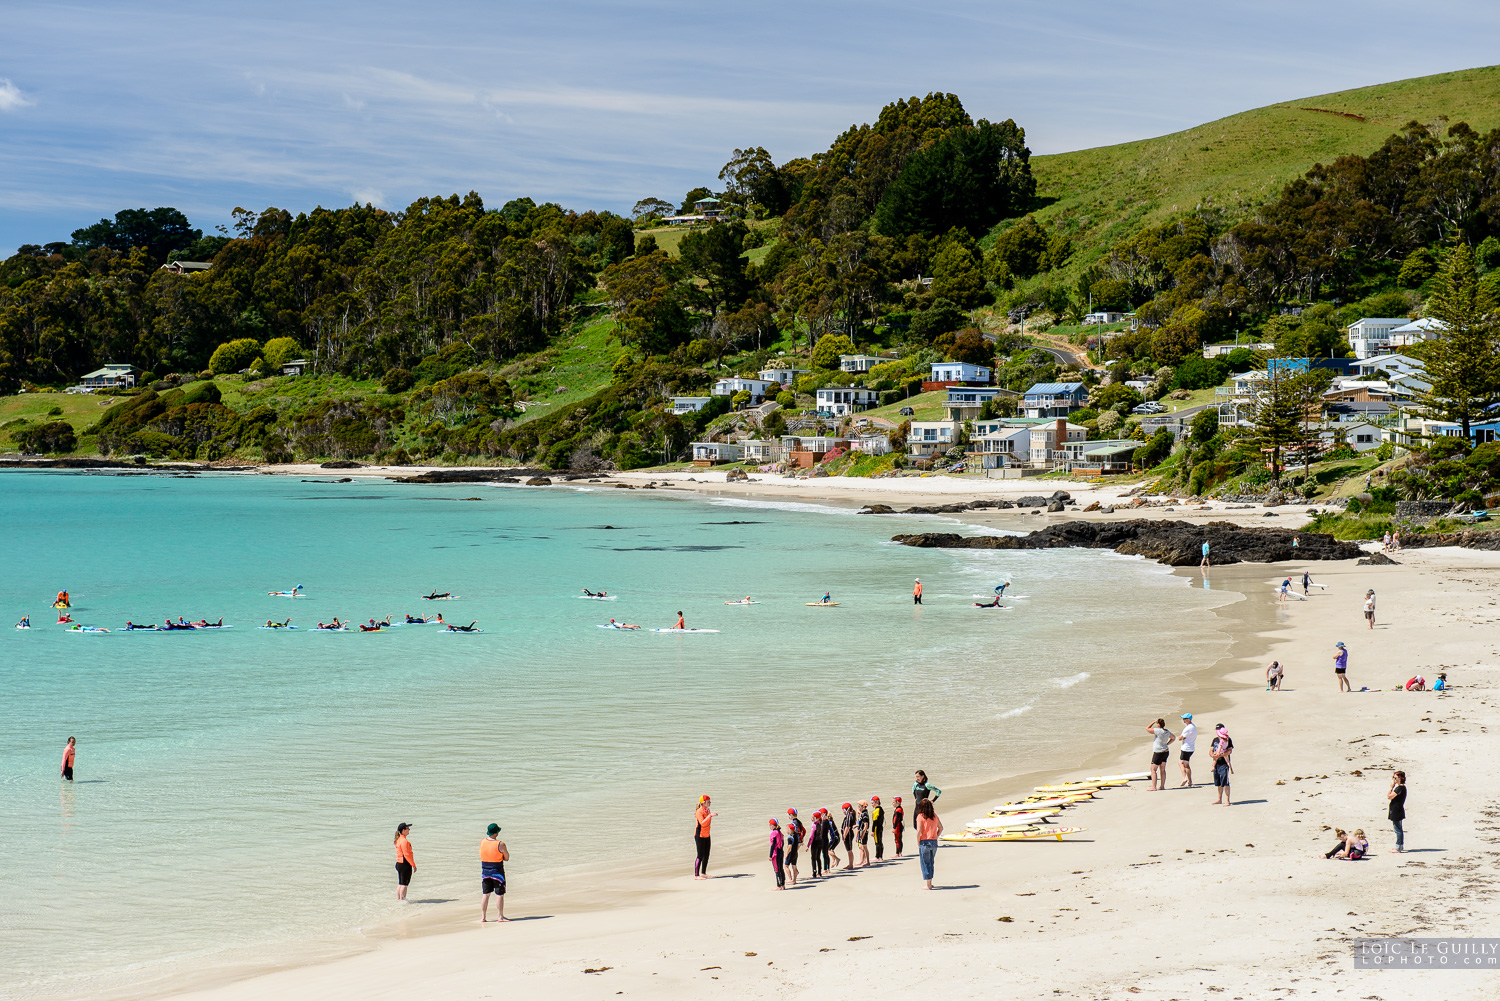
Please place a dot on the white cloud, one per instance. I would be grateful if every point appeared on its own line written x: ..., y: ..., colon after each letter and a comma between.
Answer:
x: 371, y: 195
x: 11, y: 97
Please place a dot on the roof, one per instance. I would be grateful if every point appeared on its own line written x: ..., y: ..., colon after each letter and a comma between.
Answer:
x: 1378, y: 361
x: 1116, y: 447
x: 1054, y: 387
x: 1423, y: 325
x: 705, y: 201
x: 1381, y: 319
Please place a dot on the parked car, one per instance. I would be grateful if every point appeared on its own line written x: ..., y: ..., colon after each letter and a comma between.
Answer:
x: 907, y: 411
x: 1149, y: 407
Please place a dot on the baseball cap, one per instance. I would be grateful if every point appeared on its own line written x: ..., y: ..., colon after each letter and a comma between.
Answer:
x: 1187, y: 715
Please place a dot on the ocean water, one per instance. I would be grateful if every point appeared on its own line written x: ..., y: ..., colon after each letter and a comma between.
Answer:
x: 237, y: 790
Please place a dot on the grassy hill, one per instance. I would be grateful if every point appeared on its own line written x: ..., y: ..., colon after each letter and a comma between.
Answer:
x: 1103, y: 194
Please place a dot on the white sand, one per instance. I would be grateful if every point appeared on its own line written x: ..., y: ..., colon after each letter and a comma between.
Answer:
x: 1164, y: 896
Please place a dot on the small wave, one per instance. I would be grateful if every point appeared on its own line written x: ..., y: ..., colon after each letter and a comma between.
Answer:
x: 1012, y: 712
x: 1069, y: 682
x: 781, y: 505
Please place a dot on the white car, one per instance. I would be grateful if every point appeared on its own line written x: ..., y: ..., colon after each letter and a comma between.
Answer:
x: 1149, y: 407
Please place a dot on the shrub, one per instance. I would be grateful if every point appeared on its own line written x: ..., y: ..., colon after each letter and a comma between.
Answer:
x: 1205, y: 425
x: 1385, y: 451
x: 231, y: 356
x: 398, y: 380
x: 54, y: 436
x: 1155, y: 451
x: 55, y: 412
x: 280, y: 350
x: 786, y: 398
x: 829, y: 347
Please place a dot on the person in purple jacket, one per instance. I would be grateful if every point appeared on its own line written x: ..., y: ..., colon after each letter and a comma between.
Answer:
x: 778, y: 853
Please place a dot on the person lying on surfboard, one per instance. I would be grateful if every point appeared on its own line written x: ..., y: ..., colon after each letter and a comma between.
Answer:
x: 594, y: 594
x: 464, y: 629
x: 989, y: 604
x: 434, y: 596
x: 621, y: 625
x: 64, y: 617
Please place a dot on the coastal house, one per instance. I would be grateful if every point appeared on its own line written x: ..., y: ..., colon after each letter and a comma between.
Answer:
x: 689, y: 404
x: 708, y: 453
x: 186, y: 267
x: 762, y: 449
x: 1100, y: 458
x: 964, y: 403
x: 1391, y: 364
x: 112, y: 376
x: 929, y: 437
x: 1371, y: 335
x: 755, y: 387
x: 1416, y: 332
x: 1242, y: 386
x: 297, y: 366
x: 859, y: 363
x: 1360, y: 436
x: 808, y: 450
x: 1220, y: 350
x: 784, y: 376
x: 1103, y: 316
x: 1054, y: 399
x: 1056, y: 441
x: 956, y: 373
x: 999, y: 444
x: 870, y: 444
x: 708, y: 208
x: 839, y: 401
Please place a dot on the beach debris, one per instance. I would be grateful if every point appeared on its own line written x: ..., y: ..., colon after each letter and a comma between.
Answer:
x: 720, y: 967
x: 598, y: 969
x: 1026, y: 894
x: 858, y: 938
x: 750, y: 954
x: 1007, y: 919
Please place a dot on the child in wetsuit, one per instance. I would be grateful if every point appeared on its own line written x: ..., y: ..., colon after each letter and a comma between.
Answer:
x: 863, y: 833
x: 877, y: 826
x: 898, y: 816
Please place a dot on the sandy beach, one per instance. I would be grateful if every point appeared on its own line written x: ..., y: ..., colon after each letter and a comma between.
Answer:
x: 1163, y: 895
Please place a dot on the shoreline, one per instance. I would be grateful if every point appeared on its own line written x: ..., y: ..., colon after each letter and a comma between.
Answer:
x: 1230, y: 925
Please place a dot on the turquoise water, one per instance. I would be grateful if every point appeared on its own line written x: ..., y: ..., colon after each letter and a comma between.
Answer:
x: 236, y: 791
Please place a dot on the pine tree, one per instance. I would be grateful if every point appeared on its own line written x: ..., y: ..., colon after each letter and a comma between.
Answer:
x: 1276, y: 416
x: 1463, y: 363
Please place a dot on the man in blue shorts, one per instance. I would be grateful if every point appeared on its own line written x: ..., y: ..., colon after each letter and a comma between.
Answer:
x: 492, y: 858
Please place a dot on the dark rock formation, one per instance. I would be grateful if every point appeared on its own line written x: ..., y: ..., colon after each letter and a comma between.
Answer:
x: 539, y: 481
x: 1174, y: 543
x: 979, y: 505
x: 1468, y: 539
x: 1377, y: 560
x: 736, y: 474
x: 341, y: 464
x: 1422, y: 510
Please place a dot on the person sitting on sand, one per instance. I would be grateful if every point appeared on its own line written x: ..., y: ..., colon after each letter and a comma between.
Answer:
x: 1359, y: 846
x: 1441, y: 683
x: 1417, y: 683
x: 1273, y: 676
x: 1341, y: 846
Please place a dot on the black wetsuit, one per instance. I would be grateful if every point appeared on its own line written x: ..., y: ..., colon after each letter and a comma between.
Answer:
x: 815, y: 848
x: 877, y: 827
x: 849, y: 824
x: 897, y: 820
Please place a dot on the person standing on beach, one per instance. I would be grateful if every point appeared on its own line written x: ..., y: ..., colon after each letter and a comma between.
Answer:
x: 69, y: 754
x: 815, y: 843
x: 492, y: 858
x: 778, y: 853
x: 794, y: 834
x: 898, y: 822
x: 830, y: 842
x: 1341, y: 666
x: 1188, y: 742
x: 862, y: 832
x: 877, y: 827
x: 1204, y: 562
x: 922, y: 789
x: 1306, y: 582
x: 916, y: 592
x: 1220, y: 750
x: 929, y: 829
x: 1397, y: 810
x: 1370, y: 608
x: 406, y: 862
x: 1161, y: 738
x: 847, y: 828
x: 705, y: 818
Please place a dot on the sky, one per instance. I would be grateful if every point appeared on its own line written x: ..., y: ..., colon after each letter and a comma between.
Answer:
x: 209, y: 106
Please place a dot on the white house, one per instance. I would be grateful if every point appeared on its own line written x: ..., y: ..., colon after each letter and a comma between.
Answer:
x: 762, y: 449
x: 706, y: 453
x: 782, y: 376
x: 1220, y: 350
x: 109, y: 377
x: 1000, y: 445
x: 965, y: 402
x: 1391, y: 364
x: 959, y: 371
x: 840, y: 401
x: 859, y: 363
x: 756, y: 387
x: 871, y: 444
x: 1244, y: 385
x: 1371, y: 335
x: 689, y: 404
x: 295, y: 367
x: 1358, y: 435
x: 1103, y: 317
x: 1047, y: 446
x: 927, y: 437
x: 1416, y: 332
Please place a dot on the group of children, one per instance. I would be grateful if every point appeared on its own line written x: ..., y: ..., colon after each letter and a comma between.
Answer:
x: 858, y: 823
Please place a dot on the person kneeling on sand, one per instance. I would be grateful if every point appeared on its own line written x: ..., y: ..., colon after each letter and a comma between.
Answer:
x: 1273, y: 676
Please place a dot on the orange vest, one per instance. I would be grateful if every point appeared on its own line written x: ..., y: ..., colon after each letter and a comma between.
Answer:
x: 489, y: 851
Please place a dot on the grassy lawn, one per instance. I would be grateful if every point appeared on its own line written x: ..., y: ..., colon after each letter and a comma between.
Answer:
x: 78, y: 409
x: 928, y: 407
x: 1103, y: 194
x: 579, y: 362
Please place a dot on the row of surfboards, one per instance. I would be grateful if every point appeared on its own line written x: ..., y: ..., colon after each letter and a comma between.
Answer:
x: 1030, y: 819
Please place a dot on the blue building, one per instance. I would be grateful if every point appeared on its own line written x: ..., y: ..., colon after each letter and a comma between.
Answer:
x: 1054, y: 399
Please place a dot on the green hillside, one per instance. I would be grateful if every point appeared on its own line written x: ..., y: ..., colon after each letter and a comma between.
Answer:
x: 1106, y: 193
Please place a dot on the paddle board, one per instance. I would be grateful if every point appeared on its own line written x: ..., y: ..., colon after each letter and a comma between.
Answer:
x: 284, y: 594
x: 1038, y: 804
x: 1078, y: 786
x: 821, y: 604
x: 23, y: 627
x: 597, y: 597
x: 88, y: 629
x: 1021, y: 834
x: 684, y: 630
x: 273, y: 629
x: 742, y: 603
x: 446, y: 597
x: 1012, y: 820
x: 623, y: 629
x: 1121, y: 777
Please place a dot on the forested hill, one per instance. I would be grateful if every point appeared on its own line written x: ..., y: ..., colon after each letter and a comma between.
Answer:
x: 1231, y: 165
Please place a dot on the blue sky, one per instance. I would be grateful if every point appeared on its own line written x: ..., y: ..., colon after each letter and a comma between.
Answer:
x: 207, y: 106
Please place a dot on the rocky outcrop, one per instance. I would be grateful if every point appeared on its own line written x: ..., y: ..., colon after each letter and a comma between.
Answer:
x: 341, y: 464
x: 482, y: 476
x: 1174, y: 543
x: 539, y: 481
x: 1467, y: 539
x: 736, y: 475
x: 1060, y: 497
x: 1422, y: 510
x: 1377, y: 560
